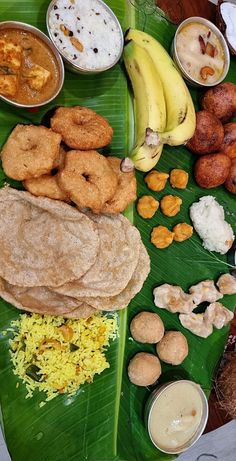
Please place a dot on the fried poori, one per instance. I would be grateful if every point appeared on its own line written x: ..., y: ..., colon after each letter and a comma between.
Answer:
x: 44, y: 242
x: 120, y: 301
x: 88, y: 179
x: 81, y: 128
x: 30, y: 151
x: 115, y: 263
x: 41, y: 300
x: 49, y: 244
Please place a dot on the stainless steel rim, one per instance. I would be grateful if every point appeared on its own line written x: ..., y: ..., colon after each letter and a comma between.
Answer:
x: 70, y: 63
x: 40, y: 34
x: 151, y: 402
x: 223, y: 43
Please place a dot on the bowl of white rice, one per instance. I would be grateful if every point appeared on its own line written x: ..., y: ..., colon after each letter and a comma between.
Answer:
x: 87, y: 34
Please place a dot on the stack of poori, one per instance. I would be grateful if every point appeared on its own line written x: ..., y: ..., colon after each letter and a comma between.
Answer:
x: 42, y: 159
x: 56, y: 260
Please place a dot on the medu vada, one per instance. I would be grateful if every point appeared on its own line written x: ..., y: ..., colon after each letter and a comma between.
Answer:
x: 81, y: 128
x: 30, y: 151
x: 87, y: 179
x: 45, y: 186
x: 126, y: 189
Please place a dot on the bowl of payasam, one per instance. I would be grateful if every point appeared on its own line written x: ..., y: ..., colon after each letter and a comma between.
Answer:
x: 200, y: 52
x: 176, y: 414
x: 31, y: 69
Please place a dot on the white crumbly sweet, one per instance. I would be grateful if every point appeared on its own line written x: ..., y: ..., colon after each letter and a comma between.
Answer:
x: 218, y: 315
x: 209, y: 222
x: 205, y: 291
x: 228, y: 11
x: 173, y: 299
x: 215, y: 315
x: 91, y: 26
x: 227, y: 284
x: 197, y: 324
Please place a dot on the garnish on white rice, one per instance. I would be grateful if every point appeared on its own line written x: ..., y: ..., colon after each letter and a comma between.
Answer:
x: 56, y: 355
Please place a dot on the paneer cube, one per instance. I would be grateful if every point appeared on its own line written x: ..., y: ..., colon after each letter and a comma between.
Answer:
x: 8, y: 85
x: 10, y: 55
x: 37, y: 77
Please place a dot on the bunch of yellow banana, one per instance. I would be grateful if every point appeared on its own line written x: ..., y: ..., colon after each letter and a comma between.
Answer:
x: 163, y: 107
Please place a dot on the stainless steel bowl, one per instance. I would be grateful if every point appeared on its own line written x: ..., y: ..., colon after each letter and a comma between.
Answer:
x: 151, y: 402
x: 70, y: 65
x: 219, y: 35
x: 27, y: 27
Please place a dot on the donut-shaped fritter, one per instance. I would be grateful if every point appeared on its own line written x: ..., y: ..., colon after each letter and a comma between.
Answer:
x: 87, y: 179
x: 81, y: 128
x: 30, y: 152
x: 126, y: 189
x: 45, y: 186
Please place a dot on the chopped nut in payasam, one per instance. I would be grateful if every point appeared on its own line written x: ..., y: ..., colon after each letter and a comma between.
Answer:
x: 200, y: 52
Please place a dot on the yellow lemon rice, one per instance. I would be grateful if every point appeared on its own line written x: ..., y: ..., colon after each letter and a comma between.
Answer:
x: 57, y: 355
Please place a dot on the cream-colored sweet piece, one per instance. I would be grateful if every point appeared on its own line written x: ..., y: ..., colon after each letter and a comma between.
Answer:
x: 218, y: 315
x: 227, y: 284
x: 197, y: 324
x: 205, y: 291
x: 173, y: 299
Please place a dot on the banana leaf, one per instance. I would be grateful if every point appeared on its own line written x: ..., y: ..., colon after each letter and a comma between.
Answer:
x: 104, y: 422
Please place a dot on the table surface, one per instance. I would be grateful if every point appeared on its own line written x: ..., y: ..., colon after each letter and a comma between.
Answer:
x: 178, y: 10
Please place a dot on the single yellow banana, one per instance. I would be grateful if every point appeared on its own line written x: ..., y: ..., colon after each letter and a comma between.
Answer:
x: 149, y: 106
x: 175, y: 90
x: 184, y: 131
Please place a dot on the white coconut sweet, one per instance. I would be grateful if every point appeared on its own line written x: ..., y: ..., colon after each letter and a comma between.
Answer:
x: 227, y: 13
x: 208, y: 219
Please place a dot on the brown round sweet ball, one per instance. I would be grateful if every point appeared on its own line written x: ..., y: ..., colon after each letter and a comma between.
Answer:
x: 212, y: 170
x: 144, y: 369
x: 228, y: 147
x: 147, y: 327
x: 208, y: 135
x: 173, y: 348
x: 221, y: 101
x: 230, y: 182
